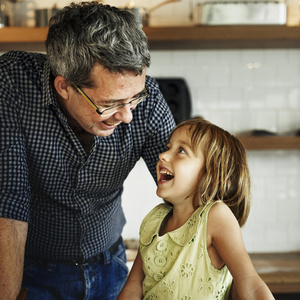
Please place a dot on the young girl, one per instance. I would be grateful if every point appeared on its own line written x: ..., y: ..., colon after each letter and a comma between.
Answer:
x: 191, y: 246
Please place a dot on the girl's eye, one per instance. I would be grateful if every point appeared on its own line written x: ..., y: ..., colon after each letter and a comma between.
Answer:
x: 181, y: 150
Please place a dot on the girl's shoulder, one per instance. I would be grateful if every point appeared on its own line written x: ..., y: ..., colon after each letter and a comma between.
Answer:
x: 213, y: 207
x: 221, y: 221
x: 219, y: 210
x: 219, y: 205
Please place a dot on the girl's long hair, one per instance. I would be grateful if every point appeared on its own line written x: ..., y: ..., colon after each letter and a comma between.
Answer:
x: 225, y: 175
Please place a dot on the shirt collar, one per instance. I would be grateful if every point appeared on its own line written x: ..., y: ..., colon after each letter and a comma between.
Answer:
x: 181, y: 236
x: 48, y: 95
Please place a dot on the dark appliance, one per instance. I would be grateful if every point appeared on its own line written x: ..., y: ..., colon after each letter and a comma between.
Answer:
x: 176, y: 93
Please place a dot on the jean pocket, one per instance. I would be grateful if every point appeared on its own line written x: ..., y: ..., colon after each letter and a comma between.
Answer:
x: 32, y: 265
x: 120, y: 257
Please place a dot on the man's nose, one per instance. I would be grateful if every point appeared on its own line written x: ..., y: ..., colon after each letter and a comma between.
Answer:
x: 124, y: 114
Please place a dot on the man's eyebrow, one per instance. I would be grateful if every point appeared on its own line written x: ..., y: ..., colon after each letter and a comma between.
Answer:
x: 113, y: 101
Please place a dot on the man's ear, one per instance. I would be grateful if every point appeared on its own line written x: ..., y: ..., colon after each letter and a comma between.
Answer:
x: 62, y: 86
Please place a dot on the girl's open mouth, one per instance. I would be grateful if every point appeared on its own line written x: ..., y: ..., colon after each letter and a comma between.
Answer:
x: 165, y: 175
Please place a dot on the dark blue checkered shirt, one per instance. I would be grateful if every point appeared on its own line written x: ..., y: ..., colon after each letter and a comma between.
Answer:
x: 71, y: 200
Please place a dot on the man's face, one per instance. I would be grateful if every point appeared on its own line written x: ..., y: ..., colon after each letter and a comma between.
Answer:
x: 111, y: 89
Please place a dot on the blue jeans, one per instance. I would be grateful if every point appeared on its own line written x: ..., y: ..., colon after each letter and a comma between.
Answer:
x: 60, y: 281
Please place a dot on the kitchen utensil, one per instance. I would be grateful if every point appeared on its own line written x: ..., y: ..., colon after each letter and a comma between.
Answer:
x: 2, y: 14
x: 142, y: 14
x: 42, y: 16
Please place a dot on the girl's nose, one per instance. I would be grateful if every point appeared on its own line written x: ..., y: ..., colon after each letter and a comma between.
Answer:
x: 164, y: 156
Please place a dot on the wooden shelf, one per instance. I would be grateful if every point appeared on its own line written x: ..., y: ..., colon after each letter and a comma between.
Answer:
x: 23, y: 34
x: 280, y: 271
x: 223, y: 37
x: 189, y: 37
x: 270, y: 142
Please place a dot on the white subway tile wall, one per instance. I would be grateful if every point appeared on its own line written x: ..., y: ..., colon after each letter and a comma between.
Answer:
x: 239, y: 90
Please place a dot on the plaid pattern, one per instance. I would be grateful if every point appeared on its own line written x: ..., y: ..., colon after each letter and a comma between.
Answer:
x: 72, y: 200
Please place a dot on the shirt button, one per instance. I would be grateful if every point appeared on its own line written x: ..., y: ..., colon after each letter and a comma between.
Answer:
x: 157, y: 276
x: 160, y: 261
x: 162, y: 246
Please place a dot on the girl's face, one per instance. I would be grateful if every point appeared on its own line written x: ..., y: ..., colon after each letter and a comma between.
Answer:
x: 178, y: 169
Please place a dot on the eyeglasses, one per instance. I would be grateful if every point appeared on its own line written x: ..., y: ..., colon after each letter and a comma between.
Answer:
x: 114, y: 108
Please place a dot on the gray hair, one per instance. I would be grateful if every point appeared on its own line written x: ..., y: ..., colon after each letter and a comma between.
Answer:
x: 81, y: 35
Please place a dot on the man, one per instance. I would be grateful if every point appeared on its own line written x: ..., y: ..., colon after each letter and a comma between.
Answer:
x: 73, y: 124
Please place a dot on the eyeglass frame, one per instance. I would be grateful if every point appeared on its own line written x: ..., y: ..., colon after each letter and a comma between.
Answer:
x: 100, y: 112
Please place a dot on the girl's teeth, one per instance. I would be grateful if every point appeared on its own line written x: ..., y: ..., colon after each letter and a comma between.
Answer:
x: 165, y: 172
x: 166, y: 175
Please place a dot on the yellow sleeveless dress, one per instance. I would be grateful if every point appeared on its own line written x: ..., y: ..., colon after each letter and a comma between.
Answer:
x: 177, y: 264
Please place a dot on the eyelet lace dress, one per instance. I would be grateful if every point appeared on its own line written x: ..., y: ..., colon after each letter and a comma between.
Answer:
x: 177, y: 264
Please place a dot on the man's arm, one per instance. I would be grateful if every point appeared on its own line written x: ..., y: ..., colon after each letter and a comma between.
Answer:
x: 13, y: 236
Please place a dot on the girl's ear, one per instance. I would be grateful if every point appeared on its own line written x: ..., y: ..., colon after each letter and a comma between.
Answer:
x: 61, y: 85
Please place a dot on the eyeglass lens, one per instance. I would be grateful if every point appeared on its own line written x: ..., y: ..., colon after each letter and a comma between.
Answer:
x: 132, y: 103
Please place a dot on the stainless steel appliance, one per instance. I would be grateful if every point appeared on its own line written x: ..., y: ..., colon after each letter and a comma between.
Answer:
x: 42, y: 16
x: 240, y: 12
x: 143, y: 14
x: 177, y: 96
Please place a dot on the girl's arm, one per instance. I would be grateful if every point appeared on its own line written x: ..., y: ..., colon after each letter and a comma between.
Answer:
x: 224, y: 235
x: 133, y: 288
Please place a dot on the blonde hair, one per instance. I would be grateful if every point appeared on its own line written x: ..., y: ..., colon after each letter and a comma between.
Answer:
x: 225, y: 175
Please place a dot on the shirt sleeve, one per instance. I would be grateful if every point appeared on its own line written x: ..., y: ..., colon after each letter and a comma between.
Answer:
x: 160, y: 125
x: 14, y: 185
